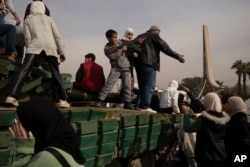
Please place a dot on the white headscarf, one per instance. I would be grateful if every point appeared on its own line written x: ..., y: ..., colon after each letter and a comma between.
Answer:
x: 128, y: 30
x: 212, y: 102
x: 236, y: 105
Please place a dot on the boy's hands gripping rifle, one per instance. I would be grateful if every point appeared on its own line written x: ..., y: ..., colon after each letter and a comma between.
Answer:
x: 133, y: 45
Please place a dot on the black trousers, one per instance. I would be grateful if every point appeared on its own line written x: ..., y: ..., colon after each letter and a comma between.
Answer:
x: 22, y: 73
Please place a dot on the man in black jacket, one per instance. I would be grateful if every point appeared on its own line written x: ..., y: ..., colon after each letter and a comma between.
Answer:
x: 149, y: 63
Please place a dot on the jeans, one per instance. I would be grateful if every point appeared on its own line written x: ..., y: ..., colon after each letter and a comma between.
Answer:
x: 146, y: 76
x: 9, y: 31
x: 2, y: 38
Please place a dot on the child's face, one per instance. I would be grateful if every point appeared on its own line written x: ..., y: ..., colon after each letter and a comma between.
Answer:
x: 113, y: 39
x: 130, y: 35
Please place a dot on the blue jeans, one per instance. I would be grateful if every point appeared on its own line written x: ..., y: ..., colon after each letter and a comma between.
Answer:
x: 146, y: 76
x: 9, y: 31
x: 138, y: 99
x: 2, y: 38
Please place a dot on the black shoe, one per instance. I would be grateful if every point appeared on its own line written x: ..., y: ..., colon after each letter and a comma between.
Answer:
x: 128, y: 105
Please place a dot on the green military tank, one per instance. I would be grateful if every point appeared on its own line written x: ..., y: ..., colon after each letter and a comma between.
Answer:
x: 109, y: 137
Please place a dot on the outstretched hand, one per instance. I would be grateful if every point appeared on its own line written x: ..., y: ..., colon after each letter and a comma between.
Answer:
x: 181, y: 58
x: 18, y: 131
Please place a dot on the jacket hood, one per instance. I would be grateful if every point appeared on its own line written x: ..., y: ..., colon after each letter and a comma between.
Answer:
x: 37, y: 7
x: 173, y: 84
x: 218, y: 120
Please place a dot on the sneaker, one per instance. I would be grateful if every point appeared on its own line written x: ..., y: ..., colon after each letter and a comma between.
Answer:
x: 11, y: 101
x: 129, y: 106
x: 63, y: 104
x: 100, y: 104
x: 149, y: 110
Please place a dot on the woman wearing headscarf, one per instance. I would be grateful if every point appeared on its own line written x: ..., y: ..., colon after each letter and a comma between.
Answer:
x: 41, y: 119
x: 210, y: 127
x: 238, y: 133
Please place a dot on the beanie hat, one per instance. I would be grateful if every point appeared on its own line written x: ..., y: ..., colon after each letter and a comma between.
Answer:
x: 154, y: 27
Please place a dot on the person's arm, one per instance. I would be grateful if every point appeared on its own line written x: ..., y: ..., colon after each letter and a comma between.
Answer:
x: 27, y: 11
x: 24, y: 144
x: 114, y: 52
x: 24, y: 152
x: 175, y: 102
x: 191, y: 127
x: 10, y: 6
x: 47, y: 11
x: 164, y: 47
x: 27, y: 34
x: 79, y: 74
x: 187, y: 125
x: 58, y: 41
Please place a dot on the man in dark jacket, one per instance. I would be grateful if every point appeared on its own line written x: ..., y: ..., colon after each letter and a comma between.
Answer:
x: 149, y: 63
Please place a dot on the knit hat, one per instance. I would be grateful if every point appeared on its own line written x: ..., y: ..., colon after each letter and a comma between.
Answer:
x: 154, y: 27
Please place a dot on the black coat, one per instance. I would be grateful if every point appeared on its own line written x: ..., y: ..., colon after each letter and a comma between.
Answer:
x: 238, y: 139
x: 151, y: 47
x: 210, y: 146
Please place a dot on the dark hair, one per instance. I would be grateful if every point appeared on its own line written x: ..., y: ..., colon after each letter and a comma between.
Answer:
x: 225, y: 97
x: 110, y: 33
x: 91, y: 56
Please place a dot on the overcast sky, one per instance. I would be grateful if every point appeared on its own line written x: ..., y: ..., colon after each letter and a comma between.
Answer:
x: 83, y: 23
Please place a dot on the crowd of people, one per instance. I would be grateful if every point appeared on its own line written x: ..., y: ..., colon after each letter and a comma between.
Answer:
x: 213, y: 132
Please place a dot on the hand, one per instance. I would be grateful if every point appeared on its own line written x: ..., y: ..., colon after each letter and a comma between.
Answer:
x: 136, y: 54
x: 17, y: 21
x: 62, y: 58
x: 16, y: 18
x: 185, y: 89
x: 181, y: 58
x: 124, y: 48
x: 18, y: 131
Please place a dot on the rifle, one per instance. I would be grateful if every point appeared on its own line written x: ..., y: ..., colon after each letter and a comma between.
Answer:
x: 133, y: 45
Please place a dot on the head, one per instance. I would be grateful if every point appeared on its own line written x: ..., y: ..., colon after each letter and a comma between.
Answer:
x: 49, y: 127
x: 212, y: 102
x: 224, y: 98
x: 37, y: 7
x: 235, y: 104
x: 89, y: 56
x: 173, y: 84
x: 129, y: 33
x: 111, y: 36
x: 155, y: 29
